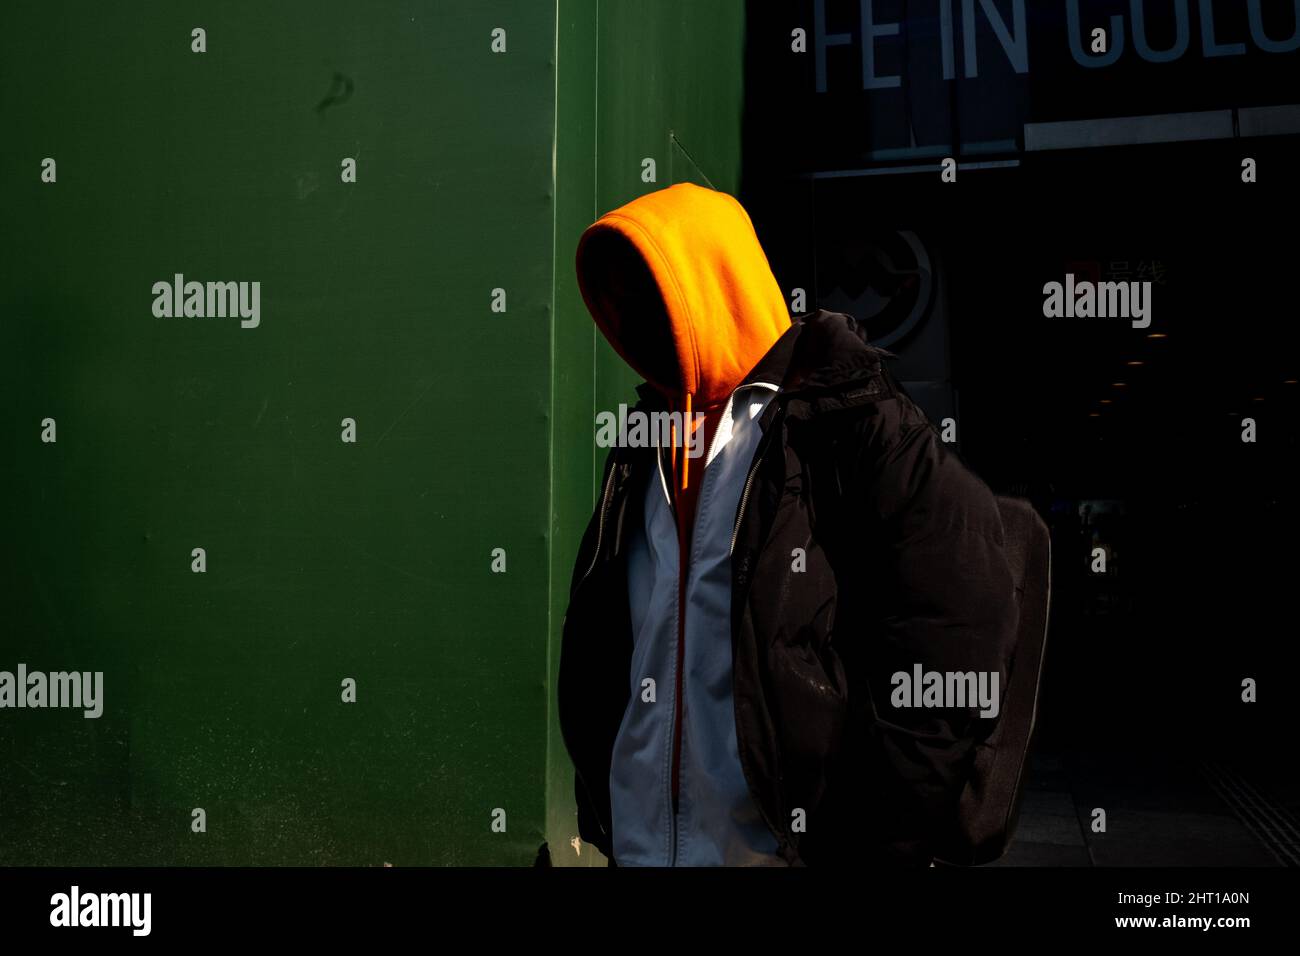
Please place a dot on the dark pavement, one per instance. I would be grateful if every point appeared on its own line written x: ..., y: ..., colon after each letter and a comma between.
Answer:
x: 1164, y: 811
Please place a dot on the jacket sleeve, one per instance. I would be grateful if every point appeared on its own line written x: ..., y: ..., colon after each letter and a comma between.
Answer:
x: 938, y: 593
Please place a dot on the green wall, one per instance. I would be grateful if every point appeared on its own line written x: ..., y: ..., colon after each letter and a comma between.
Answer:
x: 325, y: 560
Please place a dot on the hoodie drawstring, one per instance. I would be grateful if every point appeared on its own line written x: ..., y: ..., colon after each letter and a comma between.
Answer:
x: 672, y: 441
x: 686, y: 432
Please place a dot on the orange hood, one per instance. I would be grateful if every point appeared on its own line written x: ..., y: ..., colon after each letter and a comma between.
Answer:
x: 679, y: 284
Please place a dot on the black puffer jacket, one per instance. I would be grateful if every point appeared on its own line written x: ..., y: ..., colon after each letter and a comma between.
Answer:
x: 905, y: 564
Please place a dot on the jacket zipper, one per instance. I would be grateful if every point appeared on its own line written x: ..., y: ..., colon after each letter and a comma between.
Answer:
x: 744, y: 500
x: 677, y: 707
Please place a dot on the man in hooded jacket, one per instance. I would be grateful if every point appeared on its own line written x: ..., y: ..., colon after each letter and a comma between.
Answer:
x: 737, y: 612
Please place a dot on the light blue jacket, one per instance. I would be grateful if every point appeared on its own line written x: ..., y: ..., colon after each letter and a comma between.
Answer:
x: 717, y: 823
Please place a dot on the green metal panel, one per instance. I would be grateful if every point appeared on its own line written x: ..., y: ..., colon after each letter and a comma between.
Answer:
x: 325, y: 560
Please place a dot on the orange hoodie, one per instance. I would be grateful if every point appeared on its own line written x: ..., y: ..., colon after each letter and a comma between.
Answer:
x: 681, y: 288
x: 679, y: 284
